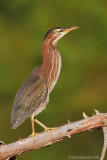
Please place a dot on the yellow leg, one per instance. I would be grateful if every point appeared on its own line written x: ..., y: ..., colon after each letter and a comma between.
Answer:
x: 46, y: 128
x: 33, y: 129
x: 32, y: 121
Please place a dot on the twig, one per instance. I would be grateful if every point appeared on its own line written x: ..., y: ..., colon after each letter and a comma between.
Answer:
x: 84, y: 115
x: 44, y: 139
x: 105, y: 141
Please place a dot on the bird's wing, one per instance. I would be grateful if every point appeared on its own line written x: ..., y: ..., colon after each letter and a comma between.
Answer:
x: 27, y: 100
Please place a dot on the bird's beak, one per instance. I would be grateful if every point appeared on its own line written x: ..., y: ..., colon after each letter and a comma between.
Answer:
x: 66, y: 30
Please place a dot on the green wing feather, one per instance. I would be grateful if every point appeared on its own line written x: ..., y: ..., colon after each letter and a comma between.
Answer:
x: 30, y: 95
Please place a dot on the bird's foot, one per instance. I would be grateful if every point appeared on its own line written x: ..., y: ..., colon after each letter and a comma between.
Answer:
x: 33, y: 135
x: 50, y: 129
x: 46, y: 128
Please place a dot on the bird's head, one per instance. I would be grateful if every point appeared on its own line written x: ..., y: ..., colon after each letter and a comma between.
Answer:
x: 56, y: 33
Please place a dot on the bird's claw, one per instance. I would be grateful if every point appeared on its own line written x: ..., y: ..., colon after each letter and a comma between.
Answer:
x: 33, y: 135
x: 49, y: 130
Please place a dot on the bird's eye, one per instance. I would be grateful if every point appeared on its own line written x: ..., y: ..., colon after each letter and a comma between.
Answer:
x: 57, y: 30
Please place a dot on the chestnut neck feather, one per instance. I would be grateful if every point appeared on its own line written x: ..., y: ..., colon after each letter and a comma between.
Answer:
x: 51, y: 62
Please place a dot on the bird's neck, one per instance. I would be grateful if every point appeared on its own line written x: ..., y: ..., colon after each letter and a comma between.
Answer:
x: 51, y: 63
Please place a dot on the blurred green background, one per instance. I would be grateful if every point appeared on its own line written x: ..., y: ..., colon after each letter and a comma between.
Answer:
x: 82, y: 85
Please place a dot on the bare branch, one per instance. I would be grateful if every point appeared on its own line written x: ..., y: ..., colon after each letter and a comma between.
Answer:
x: 44, y: 139
x: 105, y: 141
x: 10, y: 158
x: 84, y: 115
x: 97, y: 112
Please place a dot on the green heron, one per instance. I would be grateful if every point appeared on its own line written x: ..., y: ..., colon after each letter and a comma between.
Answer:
x: 33, y: 95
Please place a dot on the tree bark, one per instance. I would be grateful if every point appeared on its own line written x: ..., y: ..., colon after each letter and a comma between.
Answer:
x: 45, y: 138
